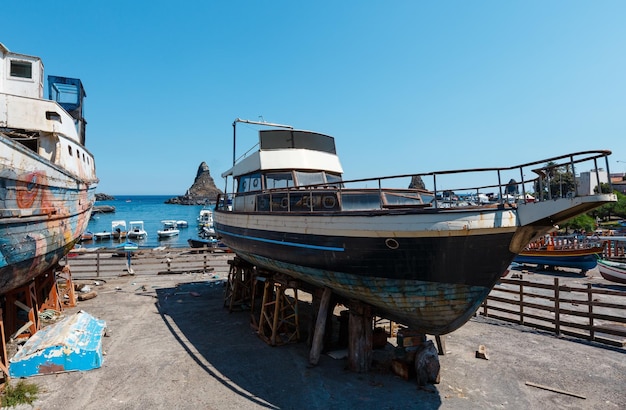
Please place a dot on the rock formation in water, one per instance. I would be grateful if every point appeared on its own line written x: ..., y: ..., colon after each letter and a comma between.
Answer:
x: 417, y: 183
x: 203, y: 190
x: 104, y: 197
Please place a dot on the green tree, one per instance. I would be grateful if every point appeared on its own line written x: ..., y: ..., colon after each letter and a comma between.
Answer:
x: 613, y: 209
x: 558, y: 182
x: 580, y: 222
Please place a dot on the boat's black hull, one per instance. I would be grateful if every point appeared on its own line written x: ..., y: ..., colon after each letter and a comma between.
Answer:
x: 432, y: 284
x: 473, y: 261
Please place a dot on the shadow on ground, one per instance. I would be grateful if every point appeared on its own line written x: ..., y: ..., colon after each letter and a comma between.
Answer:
x: 228, y: 348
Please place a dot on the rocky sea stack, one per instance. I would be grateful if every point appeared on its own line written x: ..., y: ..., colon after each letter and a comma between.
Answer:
x: 202, y: 192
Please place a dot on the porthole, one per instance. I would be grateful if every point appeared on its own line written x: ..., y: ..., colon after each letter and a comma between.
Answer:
x: 392, y: 243
x: 329, y: 202
x: 283, y: 203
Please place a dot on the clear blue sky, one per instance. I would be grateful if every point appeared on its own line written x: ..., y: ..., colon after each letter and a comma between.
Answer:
x: 403, y: 86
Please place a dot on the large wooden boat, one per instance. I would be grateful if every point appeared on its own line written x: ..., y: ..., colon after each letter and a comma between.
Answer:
x: 569, y: 251
x: 425, y: 258
x: 47, y: 176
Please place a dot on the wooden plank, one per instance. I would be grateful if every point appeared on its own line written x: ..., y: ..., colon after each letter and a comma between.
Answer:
x: 555, y: 390
x: 320, y: 326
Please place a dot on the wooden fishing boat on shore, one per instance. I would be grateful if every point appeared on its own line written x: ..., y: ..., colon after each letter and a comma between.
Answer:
x: 417, y: 256
x: 568, y: 251
x: 48, y: 177
x: 613, y: 271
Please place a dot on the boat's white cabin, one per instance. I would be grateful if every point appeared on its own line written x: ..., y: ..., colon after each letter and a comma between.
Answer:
x: 288, y: 158
x: 20, y: 74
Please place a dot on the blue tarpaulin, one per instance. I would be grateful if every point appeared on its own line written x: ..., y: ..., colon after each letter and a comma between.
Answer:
x: 74, y: 343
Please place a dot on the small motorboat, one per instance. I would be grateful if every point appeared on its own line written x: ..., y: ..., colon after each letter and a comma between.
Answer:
x: 118, y: 229
x: 137, y: 231
x: 169, y: 229
x: 86, y: 236
x: 202, y: 242
x: 182, y: 224
x: 102, y: 236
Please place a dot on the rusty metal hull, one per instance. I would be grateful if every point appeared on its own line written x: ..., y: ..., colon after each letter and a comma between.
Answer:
x: 44, y: 210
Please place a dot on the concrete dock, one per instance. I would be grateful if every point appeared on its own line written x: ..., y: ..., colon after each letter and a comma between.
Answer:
x: 171, y: 344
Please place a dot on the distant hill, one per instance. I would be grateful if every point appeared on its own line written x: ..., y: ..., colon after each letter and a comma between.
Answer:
x: 202, y: 191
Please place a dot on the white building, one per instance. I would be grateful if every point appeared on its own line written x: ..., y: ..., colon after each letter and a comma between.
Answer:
x: 588, y: 181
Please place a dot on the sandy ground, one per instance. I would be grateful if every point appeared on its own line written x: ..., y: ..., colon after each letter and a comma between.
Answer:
x: 171, y: 344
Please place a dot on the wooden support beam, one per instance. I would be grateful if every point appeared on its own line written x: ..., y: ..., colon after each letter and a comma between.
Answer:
x: 320, y: 328
x: 4, y: 359
x: 360, y: 337
x: 441, y: 345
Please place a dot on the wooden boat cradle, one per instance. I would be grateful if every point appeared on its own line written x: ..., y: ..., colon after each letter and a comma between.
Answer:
x: 278, y: 322
x: 52, y: 290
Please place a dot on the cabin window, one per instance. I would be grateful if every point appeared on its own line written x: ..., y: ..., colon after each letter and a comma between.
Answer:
x: 274, y: 180
x: 21, y: 69
x: 248, y: 183
x: 69, y: 150
x: 332, y: 179
x: 51, y: 115
x: 310, y: 178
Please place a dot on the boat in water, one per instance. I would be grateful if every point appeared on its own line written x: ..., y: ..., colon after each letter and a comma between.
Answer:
x: 415, y: 255
x: 136, y: 230
x: 118, y: 229
x: 568, y: 251
x: 47, y: 176
x: 169, y: 229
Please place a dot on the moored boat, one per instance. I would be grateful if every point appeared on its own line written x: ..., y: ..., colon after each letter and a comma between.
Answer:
x: 202, y: 242
x: 102, y: 235
x: 136, y: 230
x: 86, y: 236
x: 613, y: 271
x: 568, y: 251
x: 415, y: 255
x: 205, y: 218
x: 118, y: 229
x: 169, y: 229
x: 47, y: 175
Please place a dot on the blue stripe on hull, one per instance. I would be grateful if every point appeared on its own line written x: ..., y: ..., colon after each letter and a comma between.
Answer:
x: 436, y: 260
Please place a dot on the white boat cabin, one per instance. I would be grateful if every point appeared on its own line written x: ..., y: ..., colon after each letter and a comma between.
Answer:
x: 54, y: 128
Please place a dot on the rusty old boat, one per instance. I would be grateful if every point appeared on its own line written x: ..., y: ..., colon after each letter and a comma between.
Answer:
x: 423, y: 256
x: 47, y: 176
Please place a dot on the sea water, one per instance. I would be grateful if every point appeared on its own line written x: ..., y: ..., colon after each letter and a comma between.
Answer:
x: 151, y: 209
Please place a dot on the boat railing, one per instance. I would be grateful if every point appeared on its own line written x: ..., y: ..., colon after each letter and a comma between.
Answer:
x: 543, y: 180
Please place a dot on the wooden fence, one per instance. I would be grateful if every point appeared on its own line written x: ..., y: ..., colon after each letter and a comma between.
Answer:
x: 110, y: 262
x: 595, y: 314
